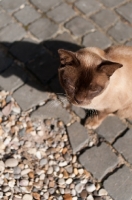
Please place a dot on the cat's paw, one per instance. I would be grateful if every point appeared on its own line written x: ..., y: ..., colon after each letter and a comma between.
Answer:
x: 92, y: 122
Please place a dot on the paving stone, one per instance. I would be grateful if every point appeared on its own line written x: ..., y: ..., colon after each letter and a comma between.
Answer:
x: 71, y: 1
x: 119, y: 184
x: 99, y: 160
x: 124, y: 145
x: 87, y: 6
x: 111, y: 3
x: 78, y: 136
x: 12, y: 32
x: 13, y: 78
x: 5, y: 59
x: 126, y: 11
x: 12, y: 5
x: 44, y: 66
x: 61, y: 13
x: 120, y: 32
x: 62, y: 41
x: 111, y: 127
x: 5, y: 19
x: 79, y: 26
x: 79, y: 111
x: 52, y: 109
x: 43, y: 28
x: 27, y: 15
x: 45, y: 6
x: 55, y: 85
x: 30, y: 95
x: 129, y: 43
x: 103, y: 21
x: 25, y: 50
x: 97, y: 39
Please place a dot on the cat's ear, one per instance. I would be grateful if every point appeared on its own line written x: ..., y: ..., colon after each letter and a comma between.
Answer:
x: 67, y: 57
x: 109, y: 67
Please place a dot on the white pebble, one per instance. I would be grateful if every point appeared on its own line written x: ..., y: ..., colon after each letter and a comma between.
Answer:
x: 90, y: 197
x: 62, y: 164
x: 25, y: 171
x: 102, y: 192
x: 79, y: 187
x: 27, y: 197
x: 1, y: 195
x: 42, y: 177
x: 69, y: 181
x: 11, y: 162
x: 2, y: 166
x: 43, y: 162
x: 50, y: 170
x: 11, y: 183
x: 24, y: 182
x: 74, y: 198
x: 90, y: 188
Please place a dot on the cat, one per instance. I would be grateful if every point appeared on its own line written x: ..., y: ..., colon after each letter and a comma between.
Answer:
x: 98, y: 79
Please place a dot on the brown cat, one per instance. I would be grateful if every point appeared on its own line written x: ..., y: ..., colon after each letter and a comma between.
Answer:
x: 98, y: 79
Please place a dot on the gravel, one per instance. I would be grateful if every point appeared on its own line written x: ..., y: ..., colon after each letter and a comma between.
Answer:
x: 36, y: 159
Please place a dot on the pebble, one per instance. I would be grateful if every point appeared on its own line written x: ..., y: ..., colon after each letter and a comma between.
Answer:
x: 1, y: 195
x: 24, y: 182
x: 90, y: 188
x: 69, y: 181
x: 61, y: 181
x: 90, y: 197
x: 17, y: 170
x: 62, y: 164
x: 27, y: 197
x: 102, y: 192
x: 50, y: 170
x: 2, y: 166
x: 74, y: 198
x: 11, y: 162
x: 25, y: 171
x: 43, y: 162
x: 79, y: 187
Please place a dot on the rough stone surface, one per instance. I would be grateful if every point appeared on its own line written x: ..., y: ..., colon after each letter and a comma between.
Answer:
x: 99, y: 160
x: 52, y: 109
x: 79, y: 111
x: 45, y: 6
x: 43, y: 28
x: 61, y: 13
x: 35, y: 95
x: 129, y: 43
x: 97, y: 39
x: 111, y: 3
x: 119, y: 184
x: 103, y: 21
x: 12, y: 32
x: 124, y: 146
x: 87, y: 6
x: 5, y: 19
x: 79, y: 26
x: 111, y: 127
x: 125, y: 11
x: 12, y: 78
x: 62, y: 41
x: 78, y: 136
x: 27, y: 15
x: 12, y: 5
x: 120, y: 32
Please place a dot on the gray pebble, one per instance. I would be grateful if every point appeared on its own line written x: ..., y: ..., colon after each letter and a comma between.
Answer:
x: 61, y: 181
x: 17, y: 170
x: 21, y: 132
x: 43, y: 162
x: 79, y: 187
x: 12, y: 162
x: 1, y: 195
x: 51, y: 190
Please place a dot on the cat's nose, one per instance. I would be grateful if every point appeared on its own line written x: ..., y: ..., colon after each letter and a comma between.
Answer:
x: 79, y: 101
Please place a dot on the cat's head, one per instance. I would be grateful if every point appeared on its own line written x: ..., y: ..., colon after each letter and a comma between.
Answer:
x: 84, y: 74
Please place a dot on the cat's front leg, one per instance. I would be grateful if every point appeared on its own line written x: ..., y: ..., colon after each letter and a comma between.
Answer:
x: 94, y: 121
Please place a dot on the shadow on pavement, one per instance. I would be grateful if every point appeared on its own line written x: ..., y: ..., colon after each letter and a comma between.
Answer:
x: 32, y: 63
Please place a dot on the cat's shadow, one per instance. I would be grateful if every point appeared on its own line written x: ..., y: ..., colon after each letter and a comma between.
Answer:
x: 35, y: 64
